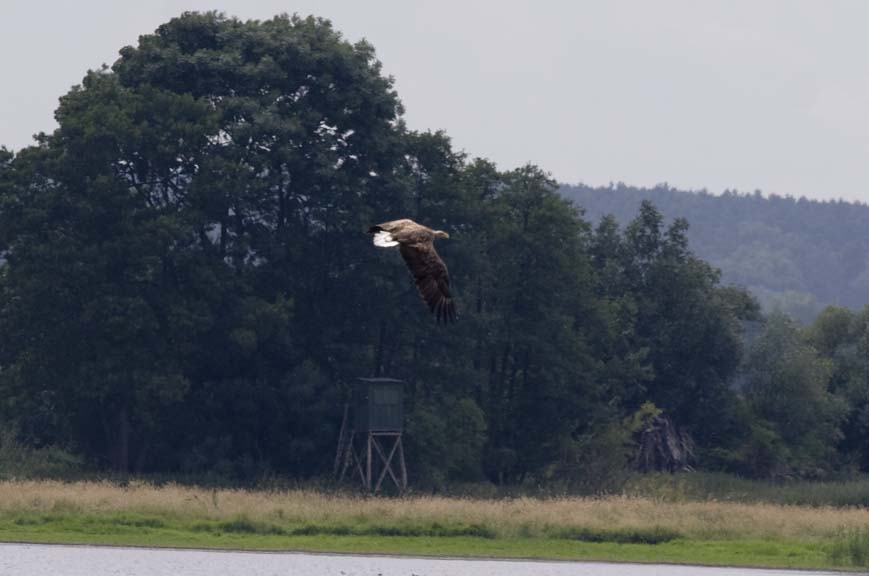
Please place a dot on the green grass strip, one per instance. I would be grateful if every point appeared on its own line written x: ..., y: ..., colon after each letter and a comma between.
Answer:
x: 652, y: 545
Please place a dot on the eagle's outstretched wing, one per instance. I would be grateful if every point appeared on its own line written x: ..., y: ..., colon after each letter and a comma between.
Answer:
x: 431, y: 277
x: 416, y: 243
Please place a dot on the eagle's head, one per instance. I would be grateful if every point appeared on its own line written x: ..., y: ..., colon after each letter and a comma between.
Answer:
x: 441, y: 234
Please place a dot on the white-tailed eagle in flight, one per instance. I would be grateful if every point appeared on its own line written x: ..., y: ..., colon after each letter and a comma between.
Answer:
x: 416, y: 244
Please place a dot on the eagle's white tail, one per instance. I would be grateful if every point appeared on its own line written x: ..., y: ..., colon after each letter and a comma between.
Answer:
x: 384, y: 239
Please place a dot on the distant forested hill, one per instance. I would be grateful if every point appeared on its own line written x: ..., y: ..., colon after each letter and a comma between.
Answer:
x: 796, y: 255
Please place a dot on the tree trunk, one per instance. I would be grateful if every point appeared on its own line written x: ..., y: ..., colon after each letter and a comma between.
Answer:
x: 120, y: 441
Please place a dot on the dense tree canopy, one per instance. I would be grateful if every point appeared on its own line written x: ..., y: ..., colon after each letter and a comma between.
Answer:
x: 183, y: 226
x: 796, y: 255
x: 188, y: 288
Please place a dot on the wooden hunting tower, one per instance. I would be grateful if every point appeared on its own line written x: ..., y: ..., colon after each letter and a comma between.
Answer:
x: 378, y: 405
x: 377, y: 418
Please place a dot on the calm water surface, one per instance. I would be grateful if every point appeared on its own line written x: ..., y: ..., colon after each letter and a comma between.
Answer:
x: 42, y: 560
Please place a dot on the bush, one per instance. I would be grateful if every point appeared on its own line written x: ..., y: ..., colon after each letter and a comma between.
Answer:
x: 244, y: 525
x: 595, y: 463
x: 18, y: 460
x: 653, y: 535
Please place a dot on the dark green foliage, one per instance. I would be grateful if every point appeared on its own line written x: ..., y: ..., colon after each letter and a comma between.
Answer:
x: 804, y: 397
x: 841, y: 337
x: 797, y: 419
x: 187, y: 289
x: 175, y: 245
x: 654, y: 535
x: 315, y: 529
x: 796, y: 255
x: 675, y: 335
x: 243, y: 525
x: 18, y: 460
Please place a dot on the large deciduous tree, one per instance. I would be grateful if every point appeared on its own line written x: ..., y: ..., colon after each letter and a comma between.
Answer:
x: 672, y: 335
x: 787, y: 392
x: 196, y: 212
x: 841, y: 337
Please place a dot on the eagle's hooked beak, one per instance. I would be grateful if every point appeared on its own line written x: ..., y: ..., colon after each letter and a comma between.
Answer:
x: 442, y: 234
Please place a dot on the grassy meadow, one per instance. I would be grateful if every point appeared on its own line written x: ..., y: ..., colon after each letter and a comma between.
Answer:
x: 621, y: 528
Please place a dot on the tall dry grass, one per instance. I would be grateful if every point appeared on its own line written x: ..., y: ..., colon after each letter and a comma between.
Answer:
x: 508, y: 517
x: 719, y: 486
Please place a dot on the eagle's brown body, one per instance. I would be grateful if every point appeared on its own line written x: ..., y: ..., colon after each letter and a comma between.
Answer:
x: 416, y: 244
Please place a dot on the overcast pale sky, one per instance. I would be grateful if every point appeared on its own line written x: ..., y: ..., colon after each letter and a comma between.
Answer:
x: 745, y: 94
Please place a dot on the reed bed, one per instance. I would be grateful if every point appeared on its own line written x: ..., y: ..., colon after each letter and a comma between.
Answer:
x: 299, y: 510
